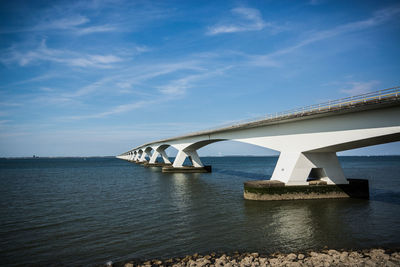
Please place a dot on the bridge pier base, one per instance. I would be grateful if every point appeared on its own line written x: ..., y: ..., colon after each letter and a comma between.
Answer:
x: 197, y: 165
x: 276, y: 190
x: 156, y: 164
x: 187, y: 169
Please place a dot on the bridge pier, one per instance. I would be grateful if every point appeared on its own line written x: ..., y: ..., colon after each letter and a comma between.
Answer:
x: 142, y: 157
x: 294, y: 168
x: 158, y: 151
x: 177, y: 166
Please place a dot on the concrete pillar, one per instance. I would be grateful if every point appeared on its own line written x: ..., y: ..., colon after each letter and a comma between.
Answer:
x: 165, y: 157
x: 293, y: 168
x: 192, y: 154
x: 148, y: 153
x: 140, y: 154
x: 142, y: 157
x: 159, y: 151
x: 154, y: 157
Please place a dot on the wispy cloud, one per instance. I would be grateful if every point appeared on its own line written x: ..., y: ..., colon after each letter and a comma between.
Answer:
x: 71, y: 58
x: 96, y: 29
x: 358, y: 88
x: 378, y: 18
x: 2, y: 122
x: 316, y: 2
x: 116, y: 110
x: 60, y: 24
x: 179, y: 86
x: 245, y: 19
x: 10, y: 104
x: 88, y: 88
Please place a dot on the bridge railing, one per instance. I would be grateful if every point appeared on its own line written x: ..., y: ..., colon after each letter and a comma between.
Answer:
x: 380, y: 95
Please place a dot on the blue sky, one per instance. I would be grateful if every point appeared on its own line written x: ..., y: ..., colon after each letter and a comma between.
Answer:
x: 81, y: 78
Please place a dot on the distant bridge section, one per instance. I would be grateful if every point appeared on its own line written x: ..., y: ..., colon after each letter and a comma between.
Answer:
x: 307, y: 138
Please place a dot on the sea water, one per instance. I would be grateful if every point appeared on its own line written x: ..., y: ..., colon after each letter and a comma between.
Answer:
x: 85, y: 211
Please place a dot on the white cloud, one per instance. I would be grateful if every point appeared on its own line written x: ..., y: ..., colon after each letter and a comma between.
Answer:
x: 115, y: 110
x: 61, y: 24
x: 99, y: 61
x: 316, y: 2
x: 95, y: 29
x: 124, y: 85
x: 89, y: 88
x: 142, y: 49
x: 246, y: 19
x: 43, y: 53
x: 378, y: 18
x: 358, y: 88
x: 179, y: 86
x: 10, y: 104
x: 46, y: 89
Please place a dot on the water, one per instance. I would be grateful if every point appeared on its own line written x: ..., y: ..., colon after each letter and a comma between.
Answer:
x: 77, y: 211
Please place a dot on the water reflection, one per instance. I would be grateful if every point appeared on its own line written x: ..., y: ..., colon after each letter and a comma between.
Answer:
x: 305, y: 224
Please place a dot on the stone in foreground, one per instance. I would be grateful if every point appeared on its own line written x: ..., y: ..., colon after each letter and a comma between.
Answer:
x: 187, y: 169
x: 276, y: 190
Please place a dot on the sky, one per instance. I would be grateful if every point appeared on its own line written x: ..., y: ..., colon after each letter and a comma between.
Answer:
x: 97, y: 78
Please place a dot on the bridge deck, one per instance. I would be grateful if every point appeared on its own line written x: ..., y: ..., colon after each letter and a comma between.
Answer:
x: 373, y: 100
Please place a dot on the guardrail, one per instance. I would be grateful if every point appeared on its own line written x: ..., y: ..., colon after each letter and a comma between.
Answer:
x: 325, y: 106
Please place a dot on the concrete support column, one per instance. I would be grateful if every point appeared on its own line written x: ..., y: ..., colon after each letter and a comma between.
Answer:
x: 193, y: 156
x: 294, y: 168
x: 164, y: 157
x: 142, y: 157
x: 159, y: 151
x: 148, y: 153
x: 154, y: 157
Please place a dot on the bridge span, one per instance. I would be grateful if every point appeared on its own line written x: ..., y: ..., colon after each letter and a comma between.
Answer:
x: 307, y: 138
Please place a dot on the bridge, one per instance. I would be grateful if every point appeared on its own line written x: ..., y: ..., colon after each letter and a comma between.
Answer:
x: 307, y: 138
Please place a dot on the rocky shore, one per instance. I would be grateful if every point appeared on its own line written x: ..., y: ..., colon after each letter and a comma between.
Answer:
x: 371, y: 257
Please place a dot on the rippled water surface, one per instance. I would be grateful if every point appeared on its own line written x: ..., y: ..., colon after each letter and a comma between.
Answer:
x: 79, y: 211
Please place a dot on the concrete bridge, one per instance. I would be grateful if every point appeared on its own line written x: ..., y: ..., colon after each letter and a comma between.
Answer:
x: 307, y: 138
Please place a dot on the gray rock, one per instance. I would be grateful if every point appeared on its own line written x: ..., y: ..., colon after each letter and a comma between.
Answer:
x: 291, y: 257
x: 332, y: 252
x: 343, y: 256
x: 369, y: 263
